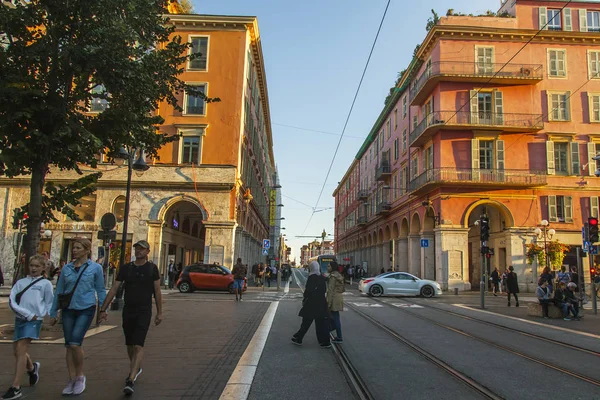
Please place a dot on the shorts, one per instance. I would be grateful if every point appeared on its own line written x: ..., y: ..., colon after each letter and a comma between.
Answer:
x: 27, y: 329
x: 238, y: 284
x: 135, y: 327
x: 76, y: 324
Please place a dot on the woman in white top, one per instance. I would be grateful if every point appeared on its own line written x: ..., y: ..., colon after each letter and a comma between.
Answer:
x: 30, y: 300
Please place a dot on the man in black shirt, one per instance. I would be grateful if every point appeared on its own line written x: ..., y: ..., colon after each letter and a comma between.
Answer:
x: 141, y: 281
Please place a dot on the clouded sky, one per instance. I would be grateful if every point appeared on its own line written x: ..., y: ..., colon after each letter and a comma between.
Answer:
x: 315, y: 52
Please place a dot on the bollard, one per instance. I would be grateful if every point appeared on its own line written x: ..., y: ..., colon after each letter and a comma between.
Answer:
x: 456, y: 291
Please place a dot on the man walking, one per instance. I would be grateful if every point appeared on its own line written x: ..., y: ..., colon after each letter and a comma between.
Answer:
x: 171, y: 272
x: 141, y: 281
x: 239, y: 272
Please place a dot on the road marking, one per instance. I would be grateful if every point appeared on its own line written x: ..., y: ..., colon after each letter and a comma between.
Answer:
x: 366, y: 304
x: 558, y: 328
x: 405, y: 305
x: 240, y: 382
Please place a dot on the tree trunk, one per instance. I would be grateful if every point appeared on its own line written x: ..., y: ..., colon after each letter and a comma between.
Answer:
x: 34, y: 212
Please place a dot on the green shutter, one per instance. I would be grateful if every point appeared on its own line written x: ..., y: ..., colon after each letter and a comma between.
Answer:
x: 583, y: 20
x: 568, y: 209
x: 552, y: 209
x: 551, y: 169
x: 568, y: 19
x: 591, y: 150
x: 594, y: 206
x: 574, y: 158
x: 474, y: 107
x: 475, y: 159
x: 498, y: 107
x: 543, y: 17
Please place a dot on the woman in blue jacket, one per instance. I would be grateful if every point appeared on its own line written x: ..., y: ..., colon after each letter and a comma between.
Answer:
x: 78, y: 314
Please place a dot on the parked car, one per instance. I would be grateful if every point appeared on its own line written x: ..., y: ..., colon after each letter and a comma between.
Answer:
x: 399, y: 283
x: 206, y: 277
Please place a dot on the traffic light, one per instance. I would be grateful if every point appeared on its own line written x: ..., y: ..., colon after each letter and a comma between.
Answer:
x: 593, y: 273
x: 484, y: 229
x: 593, y: 229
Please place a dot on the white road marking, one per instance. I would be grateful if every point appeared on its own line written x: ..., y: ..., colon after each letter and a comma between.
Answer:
x: 357, y: 304
x: 240, y: 382
x: 558, y: 328
x: 405, y: 305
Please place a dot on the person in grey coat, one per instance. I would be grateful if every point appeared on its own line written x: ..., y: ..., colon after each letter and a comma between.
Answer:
x: 544, y: 295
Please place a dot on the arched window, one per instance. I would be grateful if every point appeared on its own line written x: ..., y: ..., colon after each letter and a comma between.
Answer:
x: 185, y: 227
x: 118, y: 208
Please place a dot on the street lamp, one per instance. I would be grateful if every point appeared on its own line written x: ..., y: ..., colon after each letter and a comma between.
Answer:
x: 546, y: 234
x: 139, y: 166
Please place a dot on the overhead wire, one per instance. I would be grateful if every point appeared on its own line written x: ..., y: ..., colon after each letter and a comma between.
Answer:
x: 349, y: 114
x: 317, y: 131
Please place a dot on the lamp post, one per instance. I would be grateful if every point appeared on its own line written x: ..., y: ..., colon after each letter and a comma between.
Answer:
x: 545, y: 233
x: 139, y: 166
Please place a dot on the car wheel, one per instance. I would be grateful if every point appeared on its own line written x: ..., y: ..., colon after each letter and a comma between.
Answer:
x: 427, y: 291
x: 376, y: 291
x: 185, y: 287
x: 230, y: 288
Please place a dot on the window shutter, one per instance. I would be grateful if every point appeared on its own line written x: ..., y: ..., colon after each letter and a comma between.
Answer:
x: 475, y: 159
x: 552, y: 209
x: 590, y: 106
x: 550, y: 157
x: 567, y: 97
x: 591, y: 150
x: 543, y: 17
x: 550, y: 110
x: 500, y: 155
x: 594, y: 206
x: 574, y: 158
x: 583, y: 20
x: 568, y: 19
x: 568, y: 209
x: 552, y: 62
x: 474, y: 108
x: 498, y: 107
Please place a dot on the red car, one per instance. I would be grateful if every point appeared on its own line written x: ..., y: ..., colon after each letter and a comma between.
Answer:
x: 206, y: 277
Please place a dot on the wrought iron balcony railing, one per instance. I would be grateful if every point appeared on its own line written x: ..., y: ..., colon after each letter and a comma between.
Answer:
x: 383, y: 172
x: 383, y: 208
x: 361, y: 220
x: 362, y: 194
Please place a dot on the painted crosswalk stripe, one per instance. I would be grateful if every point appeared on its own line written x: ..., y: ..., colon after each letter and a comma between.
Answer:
x: 357, y: 304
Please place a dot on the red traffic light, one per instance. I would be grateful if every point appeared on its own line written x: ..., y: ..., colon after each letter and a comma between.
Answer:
x: 593, y: 221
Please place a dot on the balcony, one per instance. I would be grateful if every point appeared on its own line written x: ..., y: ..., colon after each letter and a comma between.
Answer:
x: 472, y: 72
x: 383, y: 172
x: 466, y: 120
x: 362, y: 194
x: 383, y: 208
x: 361, y: 221
x: 478, y: 178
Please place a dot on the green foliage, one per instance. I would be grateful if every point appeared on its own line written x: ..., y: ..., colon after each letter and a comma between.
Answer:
x: 55, y: 53
x: 432, y: 21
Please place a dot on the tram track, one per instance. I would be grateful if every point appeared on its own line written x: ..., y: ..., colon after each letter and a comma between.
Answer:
x: 515, y: 352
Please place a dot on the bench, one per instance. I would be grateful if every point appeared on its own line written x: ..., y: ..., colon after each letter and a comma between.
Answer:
x: 535, y: 310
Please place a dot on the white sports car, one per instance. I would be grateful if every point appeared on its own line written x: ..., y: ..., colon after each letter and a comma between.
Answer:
x: 399, y: 283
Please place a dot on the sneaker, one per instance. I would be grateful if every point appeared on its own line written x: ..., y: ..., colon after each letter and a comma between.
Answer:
x: 240, y: 299
x: 34, y: 374
x: 68, y: 390
x: 337, y: 340
x: 138, y: 374
x: 566, y: 319
x: 296, y: 341
x: 325, y: 345
x: 79, y: 385
x: 129, y: 387
x: 12, y: 393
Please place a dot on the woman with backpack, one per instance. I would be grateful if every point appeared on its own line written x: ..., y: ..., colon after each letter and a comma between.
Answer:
x: 335, y: 300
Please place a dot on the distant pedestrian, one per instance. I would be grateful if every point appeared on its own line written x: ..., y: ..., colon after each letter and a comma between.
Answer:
x: 512, y: 285
x: 76, y: 290
x: 503, y: 281
x: 141, y: 281
x: 575, y: 278
x: 382, y: 271
x: 335, y: 300
x: 544, y: 295
x: 495, y: 275
x: 30, y: 299
x: 350, y: 272
x: 268, y: 275
x: 560, y: 300
x: 563, y: 275
x: 253, y: 272
x: 572, y: 300
x: 546, y: 276
x: 171, y: 271
x: 239, y: 272
x: 260, y: 271
x: 314, y: 308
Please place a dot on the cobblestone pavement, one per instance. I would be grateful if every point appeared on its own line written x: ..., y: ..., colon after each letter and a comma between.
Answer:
x: 191, y: 355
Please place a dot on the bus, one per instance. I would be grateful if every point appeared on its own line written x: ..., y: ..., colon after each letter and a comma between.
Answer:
x: 323, y: 262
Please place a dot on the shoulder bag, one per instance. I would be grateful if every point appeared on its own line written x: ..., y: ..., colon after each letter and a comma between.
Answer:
x: 20, y: 294
x: 64, y: 299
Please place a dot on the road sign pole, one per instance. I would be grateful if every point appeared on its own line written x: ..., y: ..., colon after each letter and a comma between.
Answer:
x: 593, y: 286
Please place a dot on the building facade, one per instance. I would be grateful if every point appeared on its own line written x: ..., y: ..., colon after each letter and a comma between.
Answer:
x: 481, y: 123
x: 206, y: 198
x: 316, y: 248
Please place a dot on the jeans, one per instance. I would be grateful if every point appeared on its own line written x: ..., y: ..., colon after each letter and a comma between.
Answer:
x: 544, y: 304
x: 338, y: 324
x: 575, y: 309
x: 516, y: 298
x: 76, y: 324
x: 321, y: 329
x: 564, y: 307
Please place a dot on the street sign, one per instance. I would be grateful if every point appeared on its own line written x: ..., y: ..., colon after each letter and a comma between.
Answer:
x: 586, y: 246
x: 424, y: 242
x: 108, y: 221
x: 593, y: 249
x: 266, y: 244
x: 107, y: 235
x: 265, y: 252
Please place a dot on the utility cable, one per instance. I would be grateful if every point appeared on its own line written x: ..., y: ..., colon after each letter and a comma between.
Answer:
x: 317, y: 131
x: 349, y: 114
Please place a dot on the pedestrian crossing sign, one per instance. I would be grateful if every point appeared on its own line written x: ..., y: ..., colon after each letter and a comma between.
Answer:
x: 265, y: 252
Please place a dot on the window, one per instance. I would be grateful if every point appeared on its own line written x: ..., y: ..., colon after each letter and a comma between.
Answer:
x: 118, y: 208
x: 193, y: 104
x: 594, y: 206
x: 389, y: 128
x: 593, y: 64
x: 557, y: 63
x: 404, y: 107
x: 396, y: 152
x: 415, y: 122
x: 593, y: 149
x: 559, y: 106
x: 487, y: 107
x: 486, y: 154
x: 485, y: 60
x: 414, y: 167
x: 199, y: 50
x: 560, y: 208
x: 561, y: 158
x: 381, y: 139
x: 99, y: 103
x: 404, y: 140
x: 190, y: 149
x: 395, y: 118
x: 593, y: 21
x: 554, y: 20
x: 594, y: 106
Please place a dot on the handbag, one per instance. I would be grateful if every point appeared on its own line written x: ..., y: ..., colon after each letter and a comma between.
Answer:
x: 64, y: 299
x: 20, y: 294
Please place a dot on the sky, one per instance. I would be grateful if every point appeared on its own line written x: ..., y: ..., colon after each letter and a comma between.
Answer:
x: 315, y: 52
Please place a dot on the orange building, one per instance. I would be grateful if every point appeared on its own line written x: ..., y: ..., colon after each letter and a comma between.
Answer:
x: 206, y: 198
x: 497, y: 116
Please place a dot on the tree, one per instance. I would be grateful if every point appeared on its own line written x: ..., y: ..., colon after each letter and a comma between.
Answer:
x: 57, y: 57
x: 432, y: 21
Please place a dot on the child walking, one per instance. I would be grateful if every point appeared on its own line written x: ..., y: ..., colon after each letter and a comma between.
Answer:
x: 30, y: 300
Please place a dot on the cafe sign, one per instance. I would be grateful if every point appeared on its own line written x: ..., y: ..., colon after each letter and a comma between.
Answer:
x: 72, y: 226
